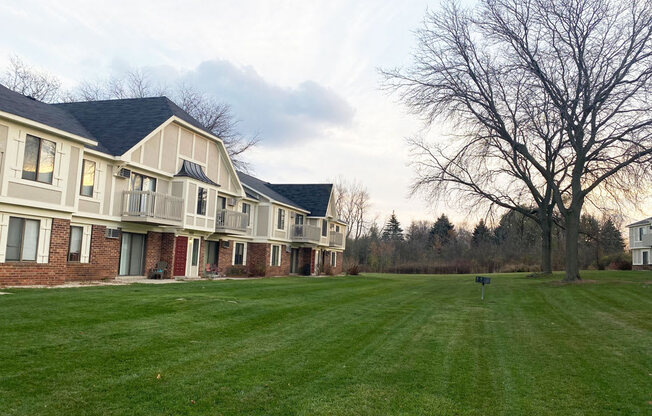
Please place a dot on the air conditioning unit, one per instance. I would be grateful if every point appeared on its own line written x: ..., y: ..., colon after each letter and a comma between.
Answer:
x: 123, y: 173
x: 226, y: 244
x: 231, y: 202
x: 288, y: 249
x: 112, y: 233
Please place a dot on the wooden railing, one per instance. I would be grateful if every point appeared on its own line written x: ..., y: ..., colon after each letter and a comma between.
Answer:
x: 336, y: 239
x: 230, y: 221
x: 149, y: 204
x: 306, y: 233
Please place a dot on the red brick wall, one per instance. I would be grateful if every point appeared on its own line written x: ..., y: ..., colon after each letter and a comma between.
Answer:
x: 305, y: 258
x: 152, y: 250
x: 642, y: 267
x: 225, y: 257
x: 258, y: 256
x: 103, y: 262
x: 168, y: 245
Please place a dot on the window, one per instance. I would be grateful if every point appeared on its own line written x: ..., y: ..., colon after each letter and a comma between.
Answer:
x: 88, y: 178
x: 75, y: 246
x: 640, y: 234
x: 38, y: 163
x: 239, y: 254
x: 22, y: 239
x: 221, y: 202
x: 333, y: 259
x: 276, y: 256
x: 246, y: 208
x: 142, y: 183
x: 646, y: 258
x: 202, y: 196
x: 195, y: 251
x: 324, y: 228
x: 298, y: 220
x: 280, y: 223
x: 337, y: 228
x: 212, y: 252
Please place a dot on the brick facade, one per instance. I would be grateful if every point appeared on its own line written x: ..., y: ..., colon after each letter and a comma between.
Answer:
x: 103, y: 260
x: 642, y: 267
x: 225, y: 257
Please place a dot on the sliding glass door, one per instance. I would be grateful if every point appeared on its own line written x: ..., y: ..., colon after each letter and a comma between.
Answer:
x: 132, y: 254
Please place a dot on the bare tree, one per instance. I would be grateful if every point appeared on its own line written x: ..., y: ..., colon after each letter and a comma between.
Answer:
x: 561, y: 87
x: 352, y: 205
x: 23, y: 78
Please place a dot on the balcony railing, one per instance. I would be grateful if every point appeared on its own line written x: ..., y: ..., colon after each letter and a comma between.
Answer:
x: 231, y: 221
x: 150, y: 206
x: 336, y: 239
x: 306, y: 233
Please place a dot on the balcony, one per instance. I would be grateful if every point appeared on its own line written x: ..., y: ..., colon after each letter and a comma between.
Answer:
x: 306, y: 233
x: 152, y: 207
x: 230, y: 221
x: 336, y: 239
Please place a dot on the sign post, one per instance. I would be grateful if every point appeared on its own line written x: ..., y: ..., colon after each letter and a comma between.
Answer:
x: 484, y: 281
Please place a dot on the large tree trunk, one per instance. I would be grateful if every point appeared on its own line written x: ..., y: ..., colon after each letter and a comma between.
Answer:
x: 546, y: 245
x: 572, y: 219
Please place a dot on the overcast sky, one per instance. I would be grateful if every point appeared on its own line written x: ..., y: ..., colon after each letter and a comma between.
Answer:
x: 301, y: 74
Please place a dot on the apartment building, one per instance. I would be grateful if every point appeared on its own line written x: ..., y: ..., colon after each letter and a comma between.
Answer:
x: 99, y: 189
x: 640, y: 243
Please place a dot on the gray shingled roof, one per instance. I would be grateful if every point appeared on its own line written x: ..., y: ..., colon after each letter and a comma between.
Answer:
x: 314, y: 197
x: 118, y: 125
x: 29, y: 108
x: 263, y: 188
x: 641, y: 222
x: 192, y: 170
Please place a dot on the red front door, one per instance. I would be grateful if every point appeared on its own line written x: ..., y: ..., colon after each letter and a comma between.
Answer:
x: 180, y: 252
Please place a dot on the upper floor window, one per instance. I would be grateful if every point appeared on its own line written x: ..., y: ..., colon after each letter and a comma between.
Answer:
x: 246, y: 208
x: 142, y: 183
x: 298, y: 220
x: 88, y: 178
x: 337, y: 228
x: 38, y: 163
x: 324, y: 228
x: 640, y: 234
x: 202, y: 197
x: 280, y: 222
x: 22, y: 239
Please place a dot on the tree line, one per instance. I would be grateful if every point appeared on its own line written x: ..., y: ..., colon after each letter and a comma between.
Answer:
x: 512, y: 245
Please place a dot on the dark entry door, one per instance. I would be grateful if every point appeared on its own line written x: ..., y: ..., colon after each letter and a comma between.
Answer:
x: 294, y: 261
x: 180, y: 253
x: 132, y: 254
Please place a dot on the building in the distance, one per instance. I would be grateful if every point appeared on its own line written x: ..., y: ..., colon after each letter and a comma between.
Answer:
x: 640, y: 243
x: 99, y: 189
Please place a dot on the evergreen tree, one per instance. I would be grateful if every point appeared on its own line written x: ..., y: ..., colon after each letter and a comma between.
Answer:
x: 612, y: 239
x: 392, y: 230
x: 441, y: 232
x: 481, y: 235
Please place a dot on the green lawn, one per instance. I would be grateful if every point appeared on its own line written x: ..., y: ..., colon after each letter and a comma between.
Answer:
x: 368, y: 345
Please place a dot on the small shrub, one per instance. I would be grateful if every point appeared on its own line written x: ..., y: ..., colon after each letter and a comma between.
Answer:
x: 620, y: 261
x: 353, y: 270
x: 237, y: 271
x: 257, y: 270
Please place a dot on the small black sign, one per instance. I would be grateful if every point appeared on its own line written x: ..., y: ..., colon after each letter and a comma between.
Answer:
x: 483, y: 280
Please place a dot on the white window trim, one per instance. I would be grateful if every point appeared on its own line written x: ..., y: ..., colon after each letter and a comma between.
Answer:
x: 45, y: 230
x: 284, y: 219
x: 333, y: 258
x: 271, y: 255
x: 244, y: 254
x: 87, y: 230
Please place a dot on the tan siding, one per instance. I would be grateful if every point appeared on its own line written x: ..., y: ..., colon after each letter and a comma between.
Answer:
x: 213, y: 161
x: 162, y: 186
x: 224, y: 174
x: 89, y: 206
x: 185, y: 147
x: 200, y: 149
x: 121, y: 185
x: 73, y: 173
x: 49, y: 196
x: 4, y: 134
x: 151, y: 151
x: 169, y: 157
x: 177, y: 189
x: 263, y: 221
x: 212, y: 201
x: 135, y: 156
x: 192, y: 198
x: 108, y: 178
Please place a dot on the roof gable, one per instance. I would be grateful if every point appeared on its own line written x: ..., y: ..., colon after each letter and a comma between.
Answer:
x: 118, y: 125
x: 313, y: 197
